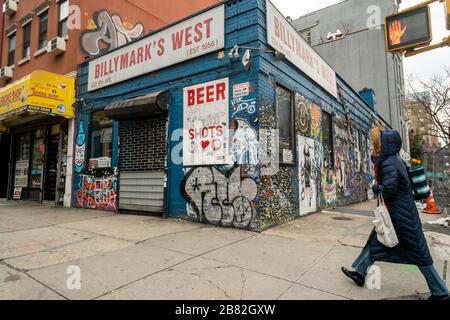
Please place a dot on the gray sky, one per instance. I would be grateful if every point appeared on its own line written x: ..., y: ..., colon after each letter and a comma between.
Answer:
x: 422, y: 65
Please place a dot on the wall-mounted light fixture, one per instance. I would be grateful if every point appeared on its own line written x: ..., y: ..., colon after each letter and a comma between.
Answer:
x: 334, y: 36
x: 234, y: 53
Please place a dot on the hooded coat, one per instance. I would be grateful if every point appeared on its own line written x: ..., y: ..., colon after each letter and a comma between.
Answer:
x: 395, y: 187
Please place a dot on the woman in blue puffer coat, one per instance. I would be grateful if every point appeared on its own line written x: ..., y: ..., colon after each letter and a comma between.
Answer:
x: 393, y: 183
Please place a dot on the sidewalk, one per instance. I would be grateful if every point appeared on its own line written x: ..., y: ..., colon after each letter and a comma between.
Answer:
x: 139, y: 257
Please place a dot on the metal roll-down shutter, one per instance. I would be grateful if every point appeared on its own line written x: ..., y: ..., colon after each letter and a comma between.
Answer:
x: 142, y: 151
x: 142, y: 191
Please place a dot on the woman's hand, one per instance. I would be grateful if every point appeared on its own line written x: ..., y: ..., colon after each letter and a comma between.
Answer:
x: 376, y: 189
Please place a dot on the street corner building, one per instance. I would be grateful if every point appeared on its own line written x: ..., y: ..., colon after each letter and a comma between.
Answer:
x: 227, y: 117
x: 35, y: 111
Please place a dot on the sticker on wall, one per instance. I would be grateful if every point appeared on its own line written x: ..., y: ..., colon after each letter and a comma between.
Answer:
x: 241, y: 90
x: 307, y: 175
x: 17, y: 195
x: 287, y: 156
x: 206, y: 123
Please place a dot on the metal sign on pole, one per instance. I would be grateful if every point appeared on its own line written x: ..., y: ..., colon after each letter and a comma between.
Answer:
x: 447, y: 13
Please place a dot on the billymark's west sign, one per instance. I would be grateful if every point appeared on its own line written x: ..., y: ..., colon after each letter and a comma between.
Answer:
x: 186, y: 40
x: 285, y: 39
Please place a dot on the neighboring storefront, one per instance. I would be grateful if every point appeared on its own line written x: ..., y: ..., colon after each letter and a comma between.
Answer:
x: 34, y: 116
x: 182, y: 123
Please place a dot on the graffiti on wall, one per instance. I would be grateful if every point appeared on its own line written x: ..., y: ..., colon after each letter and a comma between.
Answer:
x: 243, y: 106
x: 97, y: 193
x: 349, y: 174
x: 302, y: 115
x: 328, y: 185
x: 308, y: 174
x: 341, y: 152
x: 220, y: 199
x: 244, y: 145
x: 316, y: 122
x: 107, y: 32
x: 80, y: 149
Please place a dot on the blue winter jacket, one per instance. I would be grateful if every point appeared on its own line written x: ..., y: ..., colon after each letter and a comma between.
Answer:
x: 396, y: 189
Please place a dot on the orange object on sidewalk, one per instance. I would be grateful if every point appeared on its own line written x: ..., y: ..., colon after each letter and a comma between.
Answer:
x: 431, y: 206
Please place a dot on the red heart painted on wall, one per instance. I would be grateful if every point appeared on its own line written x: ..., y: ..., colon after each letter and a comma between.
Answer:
x: 205, y: 144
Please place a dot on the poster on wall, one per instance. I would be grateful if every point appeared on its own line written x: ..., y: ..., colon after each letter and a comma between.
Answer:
x: 17, y: 193
x: 21, y: 174
x: 307, y: 175
x: 206, y: 123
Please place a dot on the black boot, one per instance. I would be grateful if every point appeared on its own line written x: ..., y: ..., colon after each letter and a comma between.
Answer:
x: 439, y: 298
x: 355, y: 276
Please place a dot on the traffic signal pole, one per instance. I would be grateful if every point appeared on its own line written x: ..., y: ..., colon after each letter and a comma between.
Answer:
x: 420, y: 5
x: 445, y: 43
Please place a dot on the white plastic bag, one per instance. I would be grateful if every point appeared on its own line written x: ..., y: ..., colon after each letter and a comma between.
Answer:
x: 383, y: 226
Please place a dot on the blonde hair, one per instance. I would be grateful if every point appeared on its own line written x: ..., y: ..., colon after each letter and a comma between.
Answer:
x: 375, y: 134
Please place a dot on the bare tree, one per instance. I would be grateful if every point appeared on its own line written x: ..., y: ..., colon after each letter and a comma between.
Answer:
x: 433, y: 95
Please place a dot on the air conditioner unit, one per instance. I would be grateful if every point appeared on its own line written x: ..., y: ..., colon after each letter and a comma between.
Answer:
x: 10, y: 7
x: 56, y: 46
x: 6, y: 73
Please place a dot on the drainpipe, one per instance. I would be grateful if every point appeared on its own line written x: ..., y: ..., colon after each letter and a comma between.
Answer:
x: 389, y: 89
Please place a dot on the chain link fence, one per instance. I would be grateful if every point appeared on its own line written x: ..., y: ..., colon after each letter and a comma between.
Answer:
x: 441, y: 179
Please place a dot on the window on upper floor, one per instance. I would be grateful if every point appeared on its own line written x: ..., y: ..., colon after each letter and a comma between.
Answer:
x: 63, y: 17
x: 26, y: 40
x: 43, y: 27
x: 11, y: 49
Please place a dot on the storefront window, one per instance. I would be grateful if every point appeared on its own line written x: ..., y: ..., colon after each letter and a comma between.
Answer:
x: 101, y: 141
x: 37, y: 159
x: 22, y: 161
x: 23, y: 148
x: 284, y: 119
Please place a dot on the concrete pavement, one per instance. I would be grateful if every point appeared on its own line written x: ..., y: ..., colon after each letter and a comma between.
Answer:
x: 140, y: 257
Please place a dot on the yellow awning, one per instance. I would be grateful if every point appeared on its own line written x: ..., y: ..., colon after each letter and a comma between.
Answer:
x: 40, y: 91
